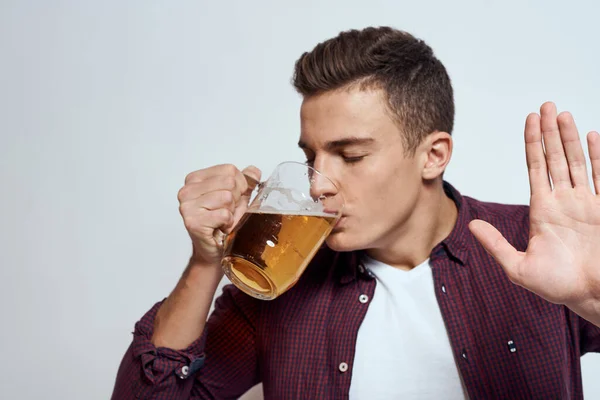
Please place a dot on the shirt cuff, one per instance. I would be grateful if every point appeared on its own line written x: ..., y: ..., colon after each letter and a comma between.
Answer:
x: 160, y: 363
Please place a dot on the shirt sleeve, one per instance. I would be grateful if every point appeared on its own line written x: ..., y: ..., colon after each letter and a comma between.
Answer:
x: 590, y: 336
x: 220, y: 364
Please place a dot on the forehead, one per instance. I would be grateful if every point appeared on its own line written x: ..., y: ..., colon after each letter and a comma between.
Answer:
x: 343, y: 113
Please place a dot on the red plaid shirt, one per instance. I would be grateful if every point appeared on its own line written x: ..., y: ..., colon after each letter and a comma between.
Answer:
x: 508, y: 342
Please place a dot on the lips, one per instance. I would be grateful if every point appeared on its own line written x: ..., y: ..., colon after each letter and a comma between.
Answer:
x: 340, y: 222
x: 331, y: 211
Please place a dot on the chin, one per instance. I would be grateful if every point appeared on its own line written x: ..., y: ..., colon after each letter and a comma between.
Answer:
x: 341, y: 241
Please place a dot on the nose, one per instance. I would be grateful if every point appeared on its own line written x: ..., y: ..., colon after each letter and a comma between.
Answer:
x: 323, y: 189
x: 321, y: 186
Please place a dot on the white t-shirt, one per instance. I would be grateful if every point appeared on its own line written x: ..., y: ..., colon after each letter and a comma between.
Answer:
x: 403, y: 350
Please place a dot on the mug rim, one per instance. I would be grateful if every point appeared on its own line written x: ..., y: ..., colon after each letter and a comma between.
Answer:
x: 310, y: 167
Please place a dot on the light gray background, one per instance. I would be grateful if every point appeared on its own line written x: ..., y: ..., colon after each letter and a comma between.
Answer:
x: 105, y: 106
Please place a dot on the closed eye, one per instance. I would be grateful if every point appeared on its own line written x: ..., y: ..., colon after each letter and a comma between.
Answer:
x: 352, y: 160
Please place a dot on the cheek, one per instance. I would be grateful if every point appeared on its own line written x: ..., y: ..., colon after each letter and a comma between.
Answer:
x: 368, y: 197
x: 378, y: 193
x: 378, y: 187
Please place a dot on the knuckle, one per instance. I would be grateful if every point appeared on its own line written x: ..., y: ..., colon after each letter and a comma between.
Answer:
x: 182, y: 194
x: 190, y: 177
x: 230, y: 169
x: 190, y: 224
x: 564, y: 117
x: 556, y: 156
x: 536, y: 164
x: 195, y: 222
x: 224, y: 215
x: 184, y: 209
x: 227, y: 197
x: 229, y: 182
x: 577, y: 164
x: 553, y: 129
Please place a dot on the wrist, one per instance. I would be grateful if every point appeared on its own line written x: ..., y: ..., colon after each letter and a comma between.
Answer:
x: 201, y: 271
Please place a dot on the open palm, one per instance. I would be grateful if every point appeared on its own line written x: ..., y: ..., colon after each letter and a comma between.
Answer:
x: 562, y: 260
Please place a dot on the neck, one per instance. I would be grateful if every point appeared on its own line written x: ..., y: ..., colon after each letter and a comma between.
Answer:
x: 411, y: 243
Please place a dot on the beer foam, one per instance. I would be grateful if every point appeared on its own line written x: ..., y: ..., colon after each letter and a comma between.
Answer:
x: 286, y: 201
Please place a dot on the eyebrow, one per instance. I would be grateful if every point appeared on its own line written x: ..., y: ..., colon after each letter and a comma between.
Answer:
x: 341, y: 143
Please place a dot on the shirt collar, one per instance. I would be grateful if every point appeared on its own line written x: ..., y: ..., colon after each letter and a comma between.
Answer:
x: 456, y: 245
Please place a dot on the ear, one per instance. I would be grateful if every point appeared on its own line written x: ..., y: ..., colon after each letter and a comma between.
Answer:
x: 437, y: 151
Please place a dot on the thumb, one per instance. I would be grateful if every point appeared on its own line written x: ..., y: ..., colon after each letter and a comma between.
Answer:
x: 497, y: 246
x: 252, y: 175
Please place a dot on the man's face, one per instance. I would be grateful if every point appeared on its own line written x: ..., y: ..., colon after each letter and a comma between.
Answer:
x: 349, y: 136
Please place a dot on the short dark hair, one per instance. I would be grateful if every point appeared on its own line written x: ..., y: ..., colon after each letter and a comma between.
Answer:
x: 418, y: 88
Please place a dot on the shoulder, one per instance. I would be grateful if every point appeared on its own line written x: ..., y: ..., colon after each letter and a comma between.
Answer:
x: 515, y: 213
x: 512, y: 220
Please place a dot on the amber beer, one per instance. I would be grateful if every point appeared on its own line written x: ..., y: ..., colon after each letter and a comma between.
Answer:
x: 268, y: 251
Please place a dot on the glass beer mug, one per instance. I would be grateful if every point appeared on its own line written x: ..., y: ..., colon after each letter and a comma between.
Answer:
x: 290, y: 217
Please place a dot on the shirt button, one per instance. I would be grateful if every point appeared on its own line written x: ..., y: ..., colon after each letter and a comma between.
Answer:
x: 185, y: 370
x: 363, y: 298
x: 443, y: 288
x: 361, y: 269
x: 343, y: 367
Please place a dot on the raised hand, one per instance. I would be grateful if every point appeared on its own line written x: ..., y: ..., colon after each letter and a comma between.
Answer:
x: 211, y: 202
x: 562, y: 260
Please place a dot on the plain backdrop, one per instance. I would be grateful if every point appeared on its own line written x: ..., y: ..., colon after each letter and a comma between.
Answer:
x: 105, y: 106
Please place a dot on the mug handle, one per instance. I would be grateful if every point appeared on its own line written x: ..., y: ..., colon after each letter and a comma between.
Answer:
x: 252, y: 184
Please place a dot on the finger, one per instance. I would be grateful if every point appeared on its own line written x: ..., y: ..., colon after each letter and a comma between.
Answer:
x: 497, y: 246
x: 214, y: 201
x: 216, y: 170
x: 194, y: 190
x: 555, y: 153
x: 593, y: 139
x: 536, y: 159
x: 241, y: 181
x: 203, y: 221
x: 573, y: 149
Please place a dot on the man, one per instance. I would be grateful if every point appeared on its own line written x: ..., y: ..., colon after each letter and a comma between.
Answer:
x: 404, y: 302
